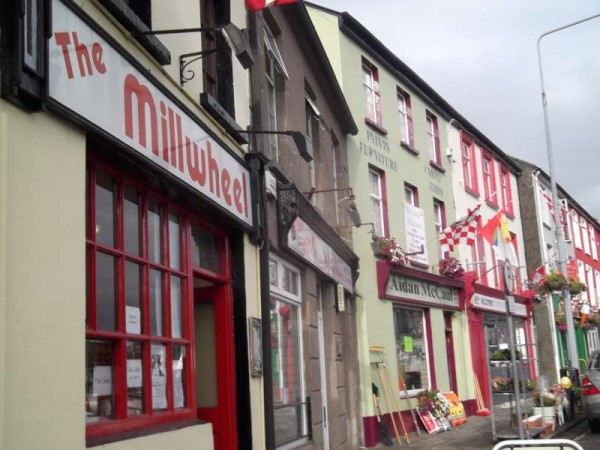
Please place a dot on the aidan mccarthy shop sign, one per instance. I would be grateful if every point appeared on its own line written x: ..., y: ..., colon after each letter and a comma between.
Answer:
x: 94, y: 80
x: 422, y: 291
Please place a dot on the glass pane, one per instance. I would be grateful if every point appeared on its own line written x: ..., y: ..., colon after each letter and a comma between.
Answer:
x: 411, y: 347
x: 135, y: 379
x: 133, y: 311
x: 290, y: 281
x: 206, y: 347
x: 205, y: 251
x: 131, y: 221
x: 176, y: 317
x: 105, y: 209
x: 99, y: 399
x: 154, y: 235
x: 273, y: 273
x: 105, y: 291
x: 159, y: 377
x: 174, y: 241
x: 155, y: 292
x: 178, y: 376
x: 288, y: 396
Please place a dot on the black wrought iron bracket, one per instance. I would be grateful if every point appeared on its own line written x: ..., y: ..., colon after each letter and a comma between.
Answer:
x: 185, y: 76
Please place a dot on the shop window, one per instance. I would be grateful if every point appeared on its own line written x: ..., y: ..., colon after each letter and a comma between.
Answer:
x: 289, y: 396
x: 23, y: 51
x: 411, y: 348
x: 138, y: 334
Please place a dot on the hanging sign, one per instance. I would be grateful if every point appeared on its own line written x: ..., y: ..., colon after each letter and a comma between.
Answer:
x: 94, y: 80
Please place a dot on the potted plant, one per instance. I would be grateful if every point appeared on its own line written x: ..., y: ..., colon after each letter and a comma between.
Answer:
x: 553, y: 281
x: 389, y: 249
x: 544, y: 404
x: 452, y: 268
x: 576, y: 287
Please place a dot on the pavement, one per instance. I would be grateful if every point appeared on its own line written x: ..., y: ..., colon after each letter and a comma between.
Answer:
x: 475, y: 434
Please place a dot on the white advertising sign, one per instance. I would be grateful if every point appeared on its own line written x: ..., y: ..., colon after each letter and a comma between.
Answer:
x: 133, y: 319
x: 95, y: 81
x: 134, y: 373
x: 422, y: 291
x: 102, y: 383
x: 414, y: 222
x: 496, y: 305
x: 304, y: 241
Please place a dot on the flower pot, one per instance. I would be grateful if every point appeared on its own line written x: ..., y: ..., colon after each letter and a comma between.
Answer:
x: 547, y: 412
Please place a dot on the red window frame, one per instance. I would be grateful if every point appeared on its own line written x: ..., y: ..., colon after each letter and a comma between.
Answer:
x: 489, y: 180
x: 437, y: 151
x: 506, y: 191
x: 120, y: 422
x: 409, y: 119
x: 468, y: 164
x: 414, y: 192
x: 368, y: 67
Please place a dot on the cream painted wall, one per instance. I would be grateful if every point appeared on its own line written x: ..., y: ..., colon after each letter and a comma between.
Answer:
x: 45, y: 283
x: 3, y: 242
x: 327, y: 28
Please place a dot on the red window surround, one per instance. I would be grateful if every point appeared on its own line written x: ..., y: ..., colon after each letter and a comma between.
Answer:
x: 149, y: 265
x: 372, y: 94
x: 411, y: 194
x: 468, y: 164
x: 435, y: 152
x: 505, y: 191
x: 489, y: 179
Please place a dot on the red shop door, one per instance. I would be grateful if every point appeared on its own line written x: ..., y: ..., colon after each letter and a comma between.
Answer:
x: 215, y: 363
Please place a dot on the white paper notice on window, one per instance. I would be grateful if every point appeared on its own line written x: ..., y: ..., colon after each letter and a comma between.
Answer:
x: 159, y: 379
x: 133, y: 322
x: 102, y: 380
x: 414, y: 222
x: 134, y: 373
x: 178, y: 388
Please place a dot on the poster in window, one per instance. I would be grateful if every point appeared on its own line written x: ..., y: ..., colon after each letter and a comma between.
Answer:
x: 134, y: 373
x: 159, y: 377
x: 102, y: 384
x: 133, y: 319
x: 414, y: 222
x: 178, y: 397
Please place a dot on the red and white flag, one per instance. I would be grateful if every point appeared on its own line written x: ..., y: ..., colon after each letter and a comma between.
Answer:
x: 538, y: 275
x: 462, y: 231
x: 257, y: 5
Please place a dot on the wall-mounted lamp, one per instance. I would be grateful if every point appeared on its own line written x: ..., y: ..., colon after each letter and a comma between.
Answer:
x: 298, y: 138
x: 236, y: 39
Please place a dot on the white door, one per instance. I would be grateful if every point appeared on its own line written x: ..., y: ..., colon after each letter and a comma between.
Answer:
x: 322, y: 359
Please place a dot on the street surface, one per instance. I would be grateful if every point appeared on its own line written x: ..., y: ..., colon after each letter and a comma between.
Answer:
x: 583, y: 436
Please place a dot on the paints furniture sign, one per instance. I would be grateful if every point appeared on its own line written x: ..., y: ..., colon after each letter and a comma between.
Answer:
x: 496, y: 305
x: 95, y: 81
x: 422, y: 291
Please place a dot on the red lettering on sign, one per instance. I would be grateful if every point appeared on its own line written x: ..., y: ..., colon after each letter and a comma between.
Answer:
x: 84, y: 61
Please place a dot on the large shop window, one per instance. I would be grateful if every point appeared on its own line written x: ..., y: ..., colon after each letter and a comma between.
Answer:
x: 289, y: 398
x: 411, y: 348
x: 139, y: 304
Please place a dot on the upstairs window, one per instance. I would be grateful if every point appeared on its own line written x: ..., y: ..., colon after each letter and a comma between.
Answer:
x: 376, y: 193
x: 411, y: 195
x: 577, y: 231
x: 275, y: 71
x: 593, y: 242
x: 439, y: 223
x: 468, y: 164
x: 370, y: 81
x: 507, y: 202
x: 586, y: 236
x: 433, y: 140
x: 407, y: 135
x: 312, y: 140
x: 489, y: 180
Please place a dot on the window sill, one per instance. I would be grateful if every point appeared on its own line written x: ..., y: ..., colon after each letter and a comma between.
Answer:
x: 492, y: 205
x: 406, y: 146
x: 132, y: 23
x: 472, y: 192
x: 94, y: 441
x: 509, y: 215
x: 375, y: 126
x: 418, y: 264
x: 437, y: 166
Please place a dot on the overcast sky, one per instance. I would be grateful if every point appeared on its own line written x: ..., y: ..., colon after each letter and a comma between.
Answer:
x: 480, y: 55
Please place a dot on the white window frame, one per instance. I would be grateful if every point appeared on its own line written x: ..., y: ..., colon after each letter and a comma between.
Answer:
x: 403, y: 116
x: 377, y: 198
x: 434, y: 154
x: 577, y: 231
x: 438, y: 224
x: 581, y: 274
x: 279, y: 293
x: 595, y: 301
x: 369, y: 92
x: 589, y: 272
x: 593, y: 243
x: 415, y: 392
x: 468, y: 166
x: 410, y: 196
x: 272, y: 109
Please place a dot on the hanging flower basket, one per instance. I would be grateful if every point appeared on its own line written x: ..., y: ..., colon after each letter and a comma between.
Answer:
x: 553, y: 281
x: 388, y: 248
x: 576, y: 287
x: 452, y: 268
